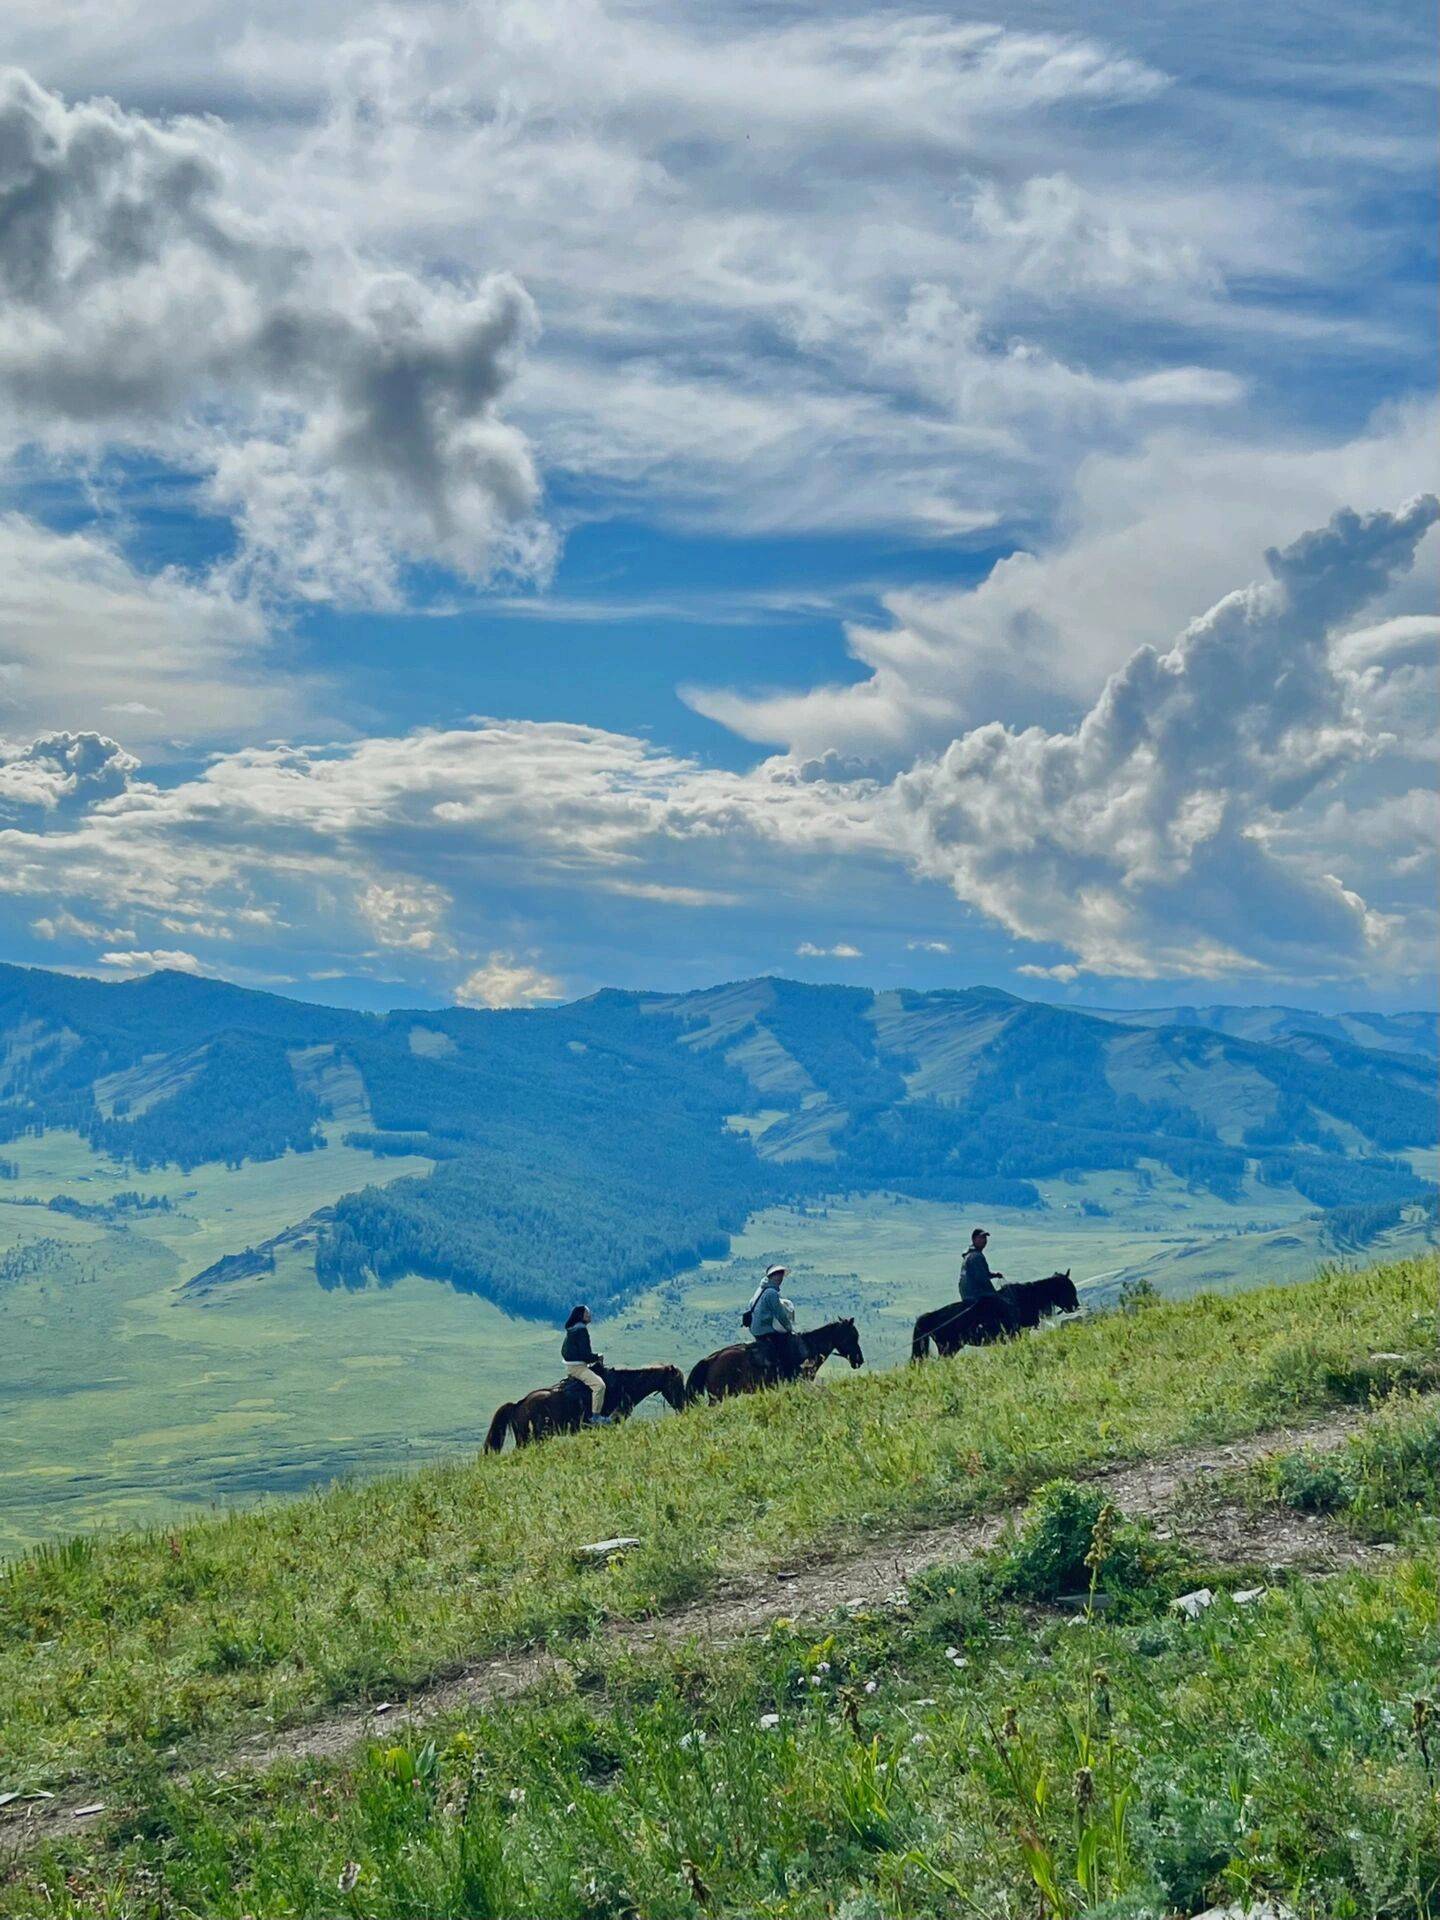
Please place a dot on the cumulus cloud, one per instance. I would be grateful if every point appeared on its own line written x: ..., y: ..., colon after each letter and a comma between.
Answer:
x: 1148, y: 534
x: 505, y: 981
x: 61, y: 772
x: 1233, y: 801
x: 1139, y: 839
x: 344, y: 415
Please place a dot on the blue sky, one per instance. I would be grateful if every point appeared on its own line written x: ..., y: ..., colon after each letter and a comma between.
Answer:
x: 502, y: 500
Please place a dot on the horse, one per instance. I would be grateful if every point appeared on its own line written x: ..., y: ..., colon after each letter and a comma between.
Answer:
x: 742, y: 1369
x: 976, y: 1323
x: 564, y: 1408
x: 626, y: 1387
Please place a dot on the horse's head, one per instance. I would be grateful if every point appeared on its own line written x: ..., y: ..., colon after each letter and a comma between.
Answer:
x: 1060, y: 1294
x: 847, y: 1343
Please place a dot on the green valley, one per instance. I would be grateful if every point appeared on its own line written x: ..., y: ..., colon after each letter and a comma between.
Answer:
x: 207, y: 1296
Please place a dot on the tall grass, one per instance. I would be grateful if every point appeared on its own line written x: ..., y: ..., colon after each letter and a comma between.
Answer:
x: 163, y: 1640
x: 950, y: 1755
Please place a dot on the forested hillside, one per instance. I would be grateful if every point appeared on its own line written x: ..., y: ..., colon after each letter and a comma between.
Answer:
x: 598, y: 1147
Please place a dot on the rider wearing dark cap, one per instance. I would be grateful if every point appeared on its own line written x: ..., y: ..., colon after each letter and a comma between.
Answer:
x: 977, y: 1282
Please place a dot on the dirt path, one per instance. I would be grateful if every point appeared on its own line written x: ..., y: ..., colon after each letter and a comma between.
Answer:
x: 1160, y: 1489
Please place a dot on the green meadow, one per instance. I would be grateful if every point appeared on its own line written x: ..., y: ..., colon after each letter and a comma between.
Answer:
x: 130, y: 1400
x: 978, y: 1744
x: 115, y: 1651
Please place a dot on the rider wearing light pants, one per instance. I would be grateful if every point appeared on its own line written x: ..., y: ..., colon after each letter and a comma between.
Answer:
x: 581, y: 1360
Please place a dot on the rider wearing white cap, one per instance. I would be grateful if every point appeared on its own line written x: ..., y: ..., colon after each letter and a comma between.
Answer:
x: 772, y: 1327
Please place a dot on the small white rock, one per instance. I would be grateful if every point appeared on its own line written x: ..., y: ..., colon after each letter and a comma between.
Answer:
x: 1247, y: 1596
x: 602, y: 1549
x: 1192, y: 1605
x: 769, y: 1722
x: 1265, y: 1910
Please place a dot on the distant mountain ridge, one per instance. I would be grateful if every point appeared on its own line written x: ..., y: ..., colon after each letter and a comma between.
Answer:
x: 615, y: 1140
x: 1410, y: 1032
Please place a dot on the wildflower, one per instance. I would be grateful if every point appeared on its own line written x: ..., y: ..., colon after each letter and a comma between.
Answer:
x: 919, y: 1739
x: 516, y: 1796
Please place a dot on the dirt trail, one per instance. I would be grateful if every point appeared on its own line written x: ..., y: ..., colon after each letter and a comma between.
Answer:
x: 1155, y: 1489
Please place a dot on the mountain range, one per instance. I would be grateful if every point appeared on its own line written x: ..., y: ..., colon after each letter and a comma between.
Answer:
x: 625, y: 1136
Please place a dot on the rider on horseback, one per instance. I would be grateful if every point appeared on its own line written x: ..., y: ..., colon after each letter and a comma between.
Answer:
x: 977, y: 1282
x: 772, y: 1327
x: 581, y: 1361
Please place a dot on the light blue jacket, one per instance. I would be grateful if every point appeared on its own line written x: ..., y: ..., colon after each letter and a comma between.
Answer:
x: 770, y: 1314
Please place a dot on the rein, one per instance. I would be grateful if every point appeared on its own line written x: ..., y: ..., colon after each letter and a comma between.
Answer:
x: 951, y: 1317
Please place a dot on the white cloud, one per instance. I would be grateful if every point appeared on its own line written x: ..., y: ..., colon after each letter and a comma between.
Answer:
x: 1147, y: 536
x: 1235, y: 801
x: 133, y: 965
x: 65, y: 925
x: 344, y: 415
x: 505, y: 981
x: 88, y: 639
x: 1140, y: 839
x: 60, y: 772
x: 927, y: 946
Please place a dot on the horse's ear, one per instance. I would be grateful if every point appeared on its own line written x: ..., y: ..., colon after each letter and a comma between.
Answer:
x: 1067, y: 1273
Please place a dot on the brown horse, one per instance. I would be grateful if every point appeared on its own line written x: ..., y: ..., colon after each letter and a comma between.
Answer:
x: 563, y: 1408
x: 975, y: 1323
x: 742, y: 1369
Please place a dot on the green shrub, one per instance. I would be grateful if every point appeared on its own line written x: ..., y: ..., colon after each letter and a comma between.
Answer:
x: 1070, y: 1536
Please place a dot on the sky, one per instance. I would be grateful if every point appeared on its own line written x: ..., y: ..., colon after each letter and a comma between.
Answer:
x: 501, y: 500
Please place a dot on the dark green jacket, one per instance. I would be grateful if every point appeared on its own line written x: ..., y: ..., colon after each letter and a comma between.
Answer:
x: 975, y: 1281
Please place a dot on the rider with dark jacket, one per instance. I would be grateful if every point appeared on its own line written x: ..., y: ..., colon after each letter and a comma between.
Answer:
x: 977, y: 1282
x: 581, y: 1360
x: 772, y: 1327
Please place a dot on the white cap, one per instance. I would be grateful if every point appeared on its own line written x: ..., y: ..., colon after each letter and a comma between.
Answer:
x: 776, y: 1273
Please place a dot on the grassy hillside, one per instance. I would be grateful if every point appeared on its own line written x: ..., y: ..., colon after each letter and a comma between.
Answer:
x: 961, y: 1749
x: 118, y: 1650
x: 133, y: 1397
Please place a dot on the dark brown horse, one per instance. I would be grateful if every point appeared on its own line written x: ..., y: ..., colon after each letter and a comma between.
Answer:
x: 742, y: 1368
x: 563, y: 1408
x: 975, y: 1323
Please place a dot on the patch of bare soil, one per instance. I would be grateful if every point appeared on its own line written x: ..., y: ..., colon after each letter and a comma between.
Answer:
x: 1168, y: 1489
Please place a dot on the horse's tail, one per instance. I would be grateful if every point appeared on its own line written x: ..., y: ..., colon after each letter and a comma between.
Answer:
x: 919, y: 1343
x: 696, y: 1385
x: 499, y: 1426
